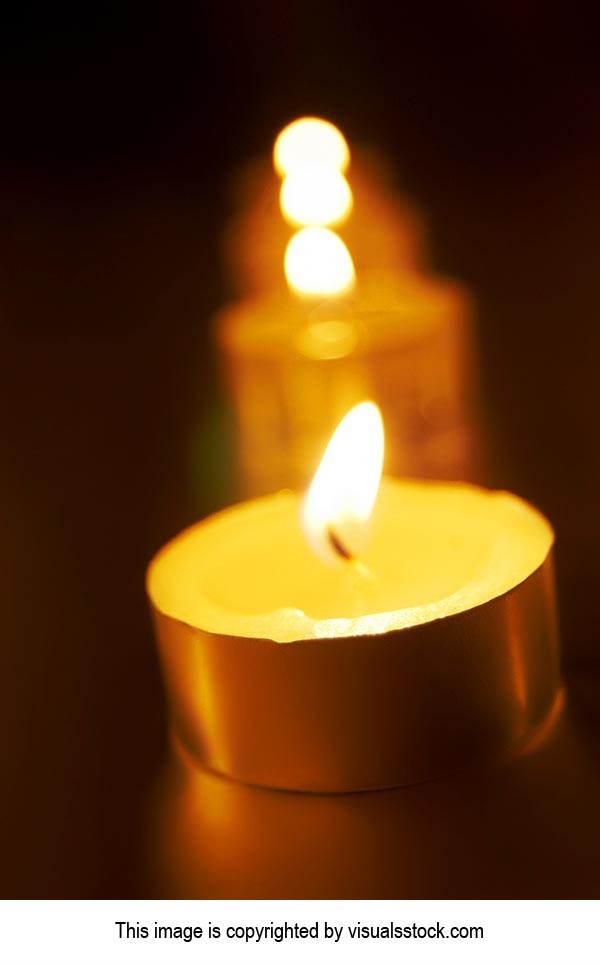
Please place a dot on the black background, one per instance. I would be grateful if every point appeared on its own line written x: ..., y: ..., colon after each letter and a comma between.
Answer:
x: 120, y: 131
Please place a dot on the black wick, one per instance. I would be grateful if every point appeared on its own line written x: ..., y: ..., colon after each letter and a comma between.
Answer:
x: 338, y: 546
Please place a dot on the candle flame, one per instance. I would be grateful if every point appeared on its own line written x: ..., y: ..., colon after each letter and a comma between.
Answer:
x: 315, y: 195
x: 311, y: 155
x: 309, y: 141
x: 317, y: 262
x: 338, y: 506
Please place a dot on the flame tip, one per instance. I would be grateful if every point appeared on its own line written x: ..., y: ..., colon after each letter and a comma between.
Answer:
x: 310, y: 140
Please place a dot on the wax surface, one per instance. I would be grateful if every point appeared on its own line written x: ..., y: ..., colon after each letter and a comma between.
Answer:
x: 435, y: 549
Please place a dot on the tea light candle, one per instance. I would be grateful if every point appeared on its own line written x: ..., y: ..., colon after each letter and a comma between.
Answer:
x: 295, y: 361
x: 334, y: 663
x: 293, y: 365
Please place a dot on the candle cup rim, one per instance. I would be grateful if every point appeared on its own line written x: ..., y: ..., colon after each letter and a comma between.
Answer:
x: 339, y: 638
x: 326, y: 637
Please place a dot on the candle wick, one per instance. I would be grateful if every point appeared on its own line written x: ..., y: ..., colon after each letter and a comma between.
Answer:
x: 346, y: 555
x: 338, y: 546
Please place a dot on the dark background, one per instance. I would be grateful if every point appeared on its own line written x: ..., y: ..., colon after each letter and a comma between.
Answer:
x: 119, y: 134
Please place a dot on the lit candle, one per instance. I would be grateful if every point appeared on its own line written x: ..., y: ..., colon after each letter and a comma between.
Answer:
x: 296, y: 361
x: 313, y: 645
x: 294, y: 364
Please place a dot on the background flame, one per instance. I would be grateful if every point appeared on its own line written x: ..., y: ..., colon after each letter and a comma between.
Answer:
x: 309, y: 141
x: 315, y: 195
x: 317, y: 262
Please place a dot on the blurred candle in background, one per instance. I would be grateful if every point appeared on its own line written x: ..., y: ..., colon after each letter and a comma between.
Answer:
x: 296, y: 358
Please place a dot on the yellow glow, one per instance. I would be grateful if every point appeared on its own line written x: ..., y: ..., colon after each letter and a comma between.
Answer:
x: 317, y: 262
x: 315, y: 195
x: 308, y: 141
x: 328, y: 339
x: 339, y: 503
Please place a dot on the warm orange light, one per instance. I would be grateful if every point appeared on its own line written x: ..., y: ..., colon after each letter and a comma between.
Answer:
x: 317, y: 262
x: 339, y: 503
x: 315, y: 195
x: 310, y: 141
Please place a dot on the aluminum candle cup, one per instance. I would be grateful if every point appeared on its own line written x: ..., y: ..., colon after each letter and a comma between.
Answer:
x: 293, y: 366
x: 285, y: 672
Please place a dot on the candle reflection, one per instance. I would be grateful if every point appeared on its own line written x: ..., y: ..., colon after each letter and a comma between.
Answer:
x: 474, y: 833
